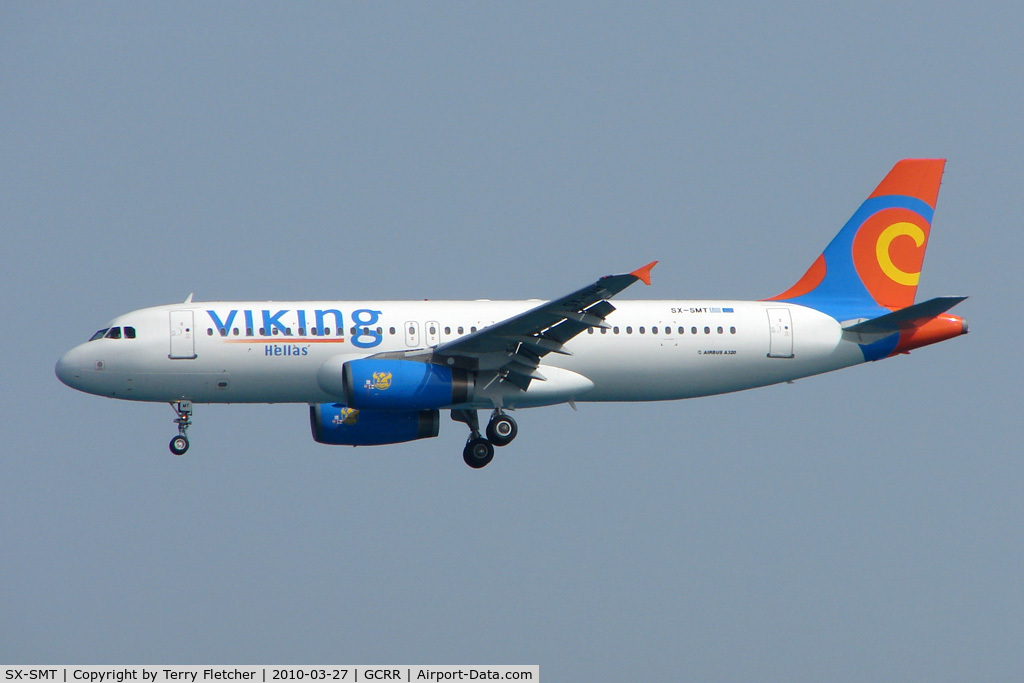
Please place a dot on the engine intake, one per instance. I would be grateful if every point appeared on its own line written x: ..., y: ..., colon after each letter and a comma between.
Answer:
x: 384, y: 384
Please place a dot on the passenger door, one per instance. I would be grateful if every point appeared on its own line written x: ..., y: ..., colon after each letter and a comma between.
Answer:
x: 780, y: 327
x: 183, y: 343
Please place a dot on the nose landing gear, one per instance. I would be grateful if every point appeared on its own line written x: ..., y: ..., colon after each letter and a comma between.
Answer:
x: 179, y: 444
x: 501, y: 429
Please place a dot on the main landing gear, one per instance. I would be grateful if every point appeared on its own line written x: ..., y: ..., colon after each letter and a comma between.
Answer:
x: 501, y: 429
x: 179, y: 444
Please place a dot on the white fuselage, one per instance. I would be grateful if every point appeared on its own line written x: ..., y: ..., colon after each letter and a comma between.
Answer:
x: 287, y: 352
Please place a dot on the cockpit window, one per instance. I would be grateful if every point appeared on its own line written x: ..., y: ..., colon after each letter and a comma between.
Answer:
x: 99, y: 335
x: 113, y: 333
x: 129, y: 333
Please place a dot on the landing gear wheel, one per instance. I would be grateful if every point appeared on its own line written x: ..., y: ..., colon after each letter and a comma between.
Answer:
x: 179, y: 445
x: 501, y: 430
x: 183, y: 409
x: 478, y: 452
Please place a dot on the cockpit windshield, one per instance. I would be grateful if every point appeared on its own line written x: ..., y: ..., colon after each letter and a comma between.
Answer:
x: 114, y: 333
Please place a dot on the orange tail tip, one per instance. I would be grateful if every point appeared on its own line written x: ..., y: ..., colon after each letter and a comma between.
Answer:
x: 919, y: 178
x: 644, y: 273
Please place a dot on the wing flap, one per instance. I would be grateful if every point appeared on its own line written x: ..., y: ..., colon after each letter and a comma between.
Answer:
x: 540, y: 343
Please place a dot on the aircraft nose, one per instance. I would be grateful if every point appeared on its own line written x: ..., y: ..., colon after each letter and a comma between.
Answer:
x: 67, y: 369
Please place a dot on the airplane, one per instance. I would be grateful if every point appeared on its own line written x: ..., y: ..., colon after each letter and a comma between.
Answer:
x: 380, y: 372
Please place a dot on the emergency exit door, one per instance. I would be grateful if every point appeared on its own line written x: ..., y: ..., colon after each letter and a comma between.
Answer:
x: 412, y: 334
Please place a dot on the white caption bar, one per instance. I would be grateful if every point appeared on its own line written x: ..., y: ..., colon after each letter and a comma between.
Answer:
x: 264, y: 674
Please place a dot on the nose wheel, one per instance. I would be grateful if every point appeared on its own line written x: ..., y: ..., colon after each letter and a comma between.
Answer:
x: 179, y: 444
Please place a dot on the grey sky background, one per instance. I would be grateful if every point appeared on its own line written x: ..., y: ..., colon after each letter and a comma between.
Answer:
x: 862, y: 525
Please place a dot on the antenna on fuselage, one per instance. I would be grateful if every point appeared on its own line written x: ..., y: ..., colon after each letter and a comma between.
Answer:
x: 188, y: 299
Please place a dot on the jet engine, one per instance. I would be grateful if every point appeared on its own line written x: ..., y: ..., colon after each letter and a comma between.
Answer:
x: 404, y: 385
x: 340, y: 425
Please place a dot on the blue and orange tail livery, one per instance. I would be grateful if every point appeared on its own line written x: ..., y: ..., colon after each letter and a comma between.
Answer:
x: 867, y: 276
x: 873, y: 265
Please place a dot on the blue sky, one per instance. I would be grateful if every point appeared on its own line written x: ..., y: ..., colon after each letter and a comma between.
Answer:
x: 855, y: 526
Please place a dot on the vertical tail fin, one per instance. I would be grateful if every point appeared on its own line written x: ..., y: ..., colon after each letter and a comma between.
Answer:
x: 873, y: 264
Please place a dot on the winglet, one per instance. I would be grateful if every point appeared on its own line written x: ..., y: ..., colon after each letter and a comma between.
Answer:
x: 644, y: 274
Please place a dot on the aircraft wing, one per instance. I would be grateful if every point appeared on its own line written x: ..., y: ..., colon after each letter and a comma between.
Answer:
x: 513, y: 347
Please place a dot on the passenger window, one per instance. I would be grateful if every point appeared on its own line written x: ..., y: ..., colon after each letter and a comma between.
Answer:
x: 114, y: 333
x: 590, y: 330
x: 472, y: 329
x: 248, y: 332
x: 654, y: 330
x: 604, y: 330
x: 460, y: 329
x: 615, y: 329
x: 447, y: 330
x: 707, y: 330
x: 641, y: 330
x: 209, y: 331
x: 629, y: 329
x: 302, y: 331
x: 720, y: 330
x: 129, y: 333
x: 235, y: 331
x: 693, y: 330
x: 326, y: 331
x: 682, y: 330
x: 263, y: 332
x: 732, y: 330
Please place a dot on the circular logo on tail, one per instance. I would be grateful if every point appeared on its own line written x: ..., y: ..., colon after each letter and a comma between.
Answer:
x: 888, y: 252
x: 885, y: 259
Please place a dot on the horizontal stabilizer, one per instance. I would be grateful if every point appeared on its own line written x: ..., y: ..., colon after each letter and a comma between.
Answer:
x: 906, y: 318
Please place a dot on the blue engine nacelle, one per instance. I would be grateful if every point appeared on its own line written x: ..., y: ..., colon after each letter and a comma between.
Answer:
x: 385, y: 384
x: 339, y: 425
